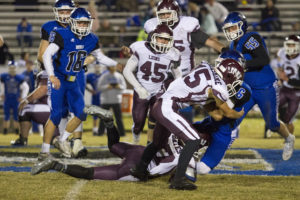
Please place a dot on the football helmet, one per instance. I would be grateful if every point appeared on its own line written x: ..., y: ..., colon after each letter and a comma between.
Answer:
x: 168, y: 7
x: 235, y: 55
x: 234, y: 19
x: 12, y: 67
x: 63, y: 5
x: 232, y: 74
x: 291, y: 45
x: 161, y: 31
x: 81, y: 22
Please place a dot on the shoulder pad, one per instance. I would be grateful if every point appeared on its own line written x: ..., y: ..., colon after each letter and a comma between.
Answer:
x: 150, y: 25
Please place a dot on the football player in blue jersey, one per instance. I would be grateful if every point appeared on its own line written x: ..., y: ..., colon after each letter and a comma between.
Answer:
x: 15, y: 88
x: 63, y: 60
x: 259, y: 75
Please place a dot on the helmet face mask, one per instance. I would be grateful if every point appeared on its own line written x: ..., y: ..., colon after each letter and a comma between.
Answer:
x: 168, y: 12
x: 81, y: 22
x: 234, y: 26
x: 162, y: 39
x: 291, y: 45
x: 62, y: 10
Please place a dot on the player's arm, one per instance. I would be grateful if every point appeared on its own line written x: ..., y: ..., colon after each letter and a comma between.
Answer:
x: 199, y: 39
x: 43, y: 44
x: 258, y: 55
x: 128, y: 73
x: 51, y: 50
x: 103, y: 59
x: 213, y: 111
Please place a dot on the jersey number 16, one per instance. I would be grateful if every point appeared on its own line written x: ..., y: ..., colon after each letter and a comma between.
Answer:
x: 76, y: 59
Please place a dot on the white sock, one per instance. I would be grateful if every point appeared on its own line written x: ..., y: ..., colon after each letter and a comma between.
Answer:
x: 45, y: 148
x: 62, y: 125
x: 64, y: 136
x: 95, y: 129
x: 289, y: 138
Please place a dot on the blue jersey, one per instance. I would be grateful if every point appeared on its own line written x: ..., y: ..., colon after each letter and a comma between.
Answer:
x: 12, y: 85
x: 73, y: 51
x: 29, y: 78
x: 249, y: 45
x: 48, y: 27
x: 92, y: 78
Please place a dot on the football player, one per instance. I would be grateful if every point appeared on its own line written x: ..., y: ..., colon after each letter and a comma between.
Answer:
x: 289, y: 73
x: 259, y: 75
x: 15, y: 89
x: 164, y: 162
x: 146, y: 70
x: 69, y: 47
x: 201, y: 86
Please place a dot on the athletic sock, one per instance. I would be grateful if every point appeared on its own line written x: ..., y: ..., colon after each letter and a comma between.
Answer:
x: 64, y: 136
x: 113, y: 136
x: 45, y: 148
x: 147, y: 156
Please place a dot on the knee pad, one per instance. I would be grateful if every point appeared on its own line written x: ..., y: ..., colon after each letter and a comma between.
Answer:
x: 202, y: 168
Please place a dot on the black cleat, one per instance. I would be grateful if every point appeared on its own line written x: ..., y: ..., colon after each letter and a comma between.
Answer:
x: 19, y: 142
x: 182, y: 184
x: 141, y: 175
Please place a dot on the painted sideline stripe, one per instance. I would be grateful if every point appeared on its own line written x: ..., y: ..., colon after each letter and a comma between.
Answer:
x: 75, y: 190
x: 39, y: 146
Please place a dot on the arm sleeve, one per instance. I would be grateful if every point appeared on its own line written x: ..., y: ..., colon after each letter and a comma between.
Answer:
x: 123, y: 83
x: 47, y: 58
x: 257, y: 57
x: 103, y: 59
x: 24, y: 89
x: 198, y: 38
x: 130, y: 67
x: 176, y: 71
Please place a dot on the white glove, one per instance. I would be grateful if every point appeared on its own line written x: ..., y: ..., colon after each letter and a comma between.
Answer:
x: 142, y: 92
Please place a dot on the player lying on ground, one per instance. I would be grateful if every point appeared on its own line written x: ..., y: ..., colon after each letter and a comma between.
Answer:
x: 164, y: 162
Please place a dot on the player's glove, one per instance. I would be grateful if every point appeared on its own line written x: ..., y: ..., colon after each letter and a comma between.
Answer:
x: 142, y: 92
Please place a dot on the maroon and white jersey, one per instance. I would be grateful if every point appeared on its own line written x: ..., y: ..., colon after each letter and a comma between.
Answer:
x: 182, y: 39
x: 166, y: 159
x: 42, y: 79
x: 153, y: 67
x: 194, y: 87
x: 290, y: 67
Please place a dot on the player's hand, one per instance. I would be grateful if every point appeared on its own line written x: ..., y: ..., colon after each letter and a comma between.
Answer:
x: 126, y: 51
x: 55, y: 82
x: 241, y: 113
x: 119, y: 67
x: 22, y: 104
x: 2, y: 97
x: 282, y: 76
x: 142, y: 92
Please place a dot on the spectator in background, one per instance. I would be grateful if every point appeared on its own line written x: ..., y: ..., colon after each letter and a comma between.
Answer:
x: 183, y: 5
x: 24, y: 31
x: 208, y: 23
x: 107, y: 40
x: 218, y: 11
x: 24, y: 59
x: 29, y: 75
x: 92, y: 80
x: 4, y: 52
x: 108, y: 3
x: 111, y: 85
x: 270, y: 17
x: 15, y: 88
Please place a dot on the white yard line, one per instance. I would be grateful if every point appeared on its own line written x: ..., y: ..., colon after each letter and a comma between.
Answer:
x: 75, y: 190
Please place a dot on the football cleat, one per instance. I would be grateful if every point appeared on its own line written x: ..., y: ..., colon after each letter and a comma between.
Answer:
x: 288, y: 148
x: 64, y: 147
x: 141, y: 175
x: 99, y: 112
x: 182, y: 184
x: 78, y: 150
x: 19, y: 142
x: 43, y: 156
x: 136, y: 138
x: 42, y: 166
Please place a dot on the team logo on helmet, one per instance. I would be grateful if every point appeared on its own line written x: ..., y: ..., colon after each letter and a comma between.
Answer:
x: 168, y: 12
x: 232, y: 73
x: 161, y: 39
x: 291, y: 45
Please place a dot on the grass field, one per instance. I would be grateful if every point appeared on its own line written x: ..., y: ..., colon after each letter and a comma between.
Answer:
x: 21, y: 185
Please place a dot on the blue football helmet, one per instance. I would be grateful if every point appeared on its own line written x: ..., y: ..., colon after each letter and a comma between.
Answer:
x: 81, y: 22
x: 239, y: 21
x: 12, y: 67
x: 63, y: 5
x: 235, y: 55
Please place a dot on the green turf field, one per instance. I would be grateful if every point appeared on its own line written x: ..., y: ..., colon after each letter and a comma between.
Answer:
x: 21, y: 185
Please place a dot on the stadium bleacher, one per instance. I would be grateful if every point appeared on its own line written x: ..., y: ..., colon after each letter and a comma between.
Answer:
x: 289, y: 14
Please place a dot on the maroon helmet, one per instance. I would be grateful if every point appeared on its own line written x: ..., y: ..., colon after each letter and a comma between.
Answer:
x: 292, y: 45
x: 168, y: 7
x: 161, y: 31
x: 232, y: 74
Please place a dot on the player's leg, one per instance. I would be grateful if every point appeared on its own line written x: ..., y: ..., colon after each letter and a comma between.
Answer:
x: 6, y: 108
x: 139, y: 114
x: 101, y: 128
x: 267, y: 101
x: 15, y: 114
x: 118, y: 116
x: 78, y: 150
